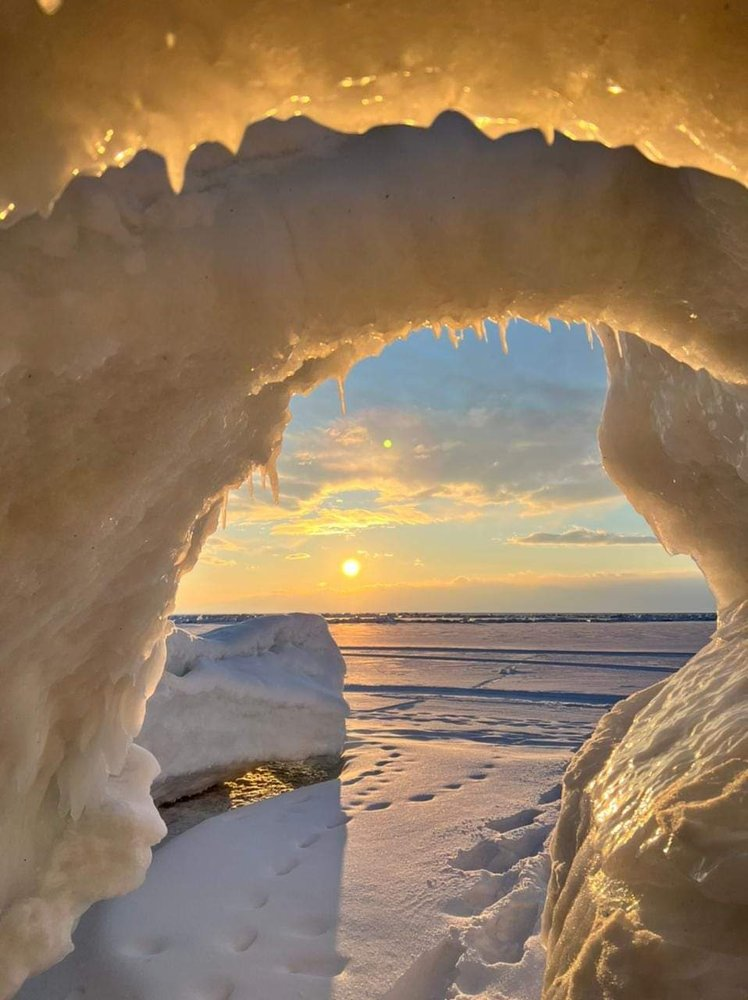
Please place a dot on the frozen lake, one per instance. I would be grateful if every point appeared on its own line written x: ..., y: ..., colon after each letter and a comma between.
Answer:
x: 540, y: 684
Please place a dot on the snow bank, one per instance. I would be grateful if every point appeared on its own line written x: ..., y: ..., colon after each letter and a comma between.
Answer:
x: 152, y: 341
x: 265, y: 689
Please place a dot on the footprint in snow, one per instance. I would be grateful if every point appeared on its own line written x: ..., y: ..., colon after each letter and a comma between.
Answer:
x: 422, y: 797
x: 522, y: 818
x: 500, y: 855
x: 318, y: 965
x: 552, y: 795
x: 313, y: 925
x: 242, y: 941
x: 308, y: 841
x: 147, y: 948
x: 340, y: 821
x: 285, y: 867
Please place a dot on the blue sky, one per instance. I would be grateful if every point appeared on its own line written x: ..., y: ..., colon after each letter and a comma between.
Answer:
x: 489, y: 496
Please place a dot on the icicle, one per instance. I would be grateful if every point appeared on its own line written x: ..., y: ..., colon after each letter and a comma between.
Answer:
x: 502, y: 335
x: 590, y: 338
x: 224, y: 509
x: 548, y: 133
x: 480, y: 330
x: 617, y: 335
x: 341, y: 394
x: 436, y: 329
x: 272, y: 474
x: 453, y: 337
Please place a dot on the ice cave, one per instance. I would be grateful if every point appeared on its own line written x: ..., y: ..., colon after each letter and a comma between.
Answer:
x: 208, y: 208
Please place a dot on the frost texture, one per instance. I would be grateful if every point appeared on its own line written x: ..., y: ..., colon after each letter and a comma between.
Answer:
x: 152, y: 342
x: 264, y: 689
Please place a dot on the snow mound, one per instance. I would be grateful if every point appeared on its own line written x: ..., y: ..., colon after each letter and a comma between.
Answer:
x: 265, y: 689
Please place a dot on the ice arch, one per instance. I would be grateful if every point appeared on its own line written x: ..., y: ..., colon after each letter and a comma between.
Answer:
x: 151, y: 343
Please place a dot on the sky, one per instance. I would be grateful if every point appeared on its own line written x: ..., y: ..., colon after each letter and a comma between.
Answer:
x: 458, y: 480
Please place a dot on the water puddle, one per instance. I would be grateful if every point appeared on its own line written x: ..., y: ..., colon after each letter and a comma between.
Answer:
x: 261, y: 782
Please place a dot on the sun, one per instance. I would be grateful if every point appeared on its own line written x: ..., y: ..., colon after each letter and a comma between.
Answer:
x: 351, y: 567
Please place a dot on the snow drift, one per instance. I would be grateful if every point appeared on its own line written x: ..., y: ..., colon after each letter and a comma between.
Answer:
x: 265, y: 689
x: 152, y: 341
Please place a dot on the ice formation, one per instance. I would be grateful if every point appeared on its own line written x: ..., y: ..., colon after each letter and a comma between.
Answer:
x: 96, y: 82
x: 265, y: 689
x: 152, y: 342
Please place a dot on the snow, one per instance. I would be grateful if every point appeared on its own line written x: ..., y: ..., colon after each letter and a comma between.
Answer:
x: 420, y: 874
x: 152, y: 342
x: 267, y: 689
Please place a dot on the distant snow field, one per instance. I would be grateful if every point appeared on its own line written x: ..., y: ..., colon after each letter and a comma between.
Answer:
x: 420, y: 874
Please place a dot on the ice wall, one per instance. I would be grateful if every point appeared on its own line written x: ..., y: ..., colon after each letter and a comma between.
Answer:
x: 151, y: 341
x: 676, y: 442
x: 103, y: 78
x: 649, y: 890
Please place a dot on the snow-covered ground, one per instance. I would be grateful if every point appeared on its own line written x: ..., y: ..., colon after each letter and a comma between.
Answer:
x: 420, y: 874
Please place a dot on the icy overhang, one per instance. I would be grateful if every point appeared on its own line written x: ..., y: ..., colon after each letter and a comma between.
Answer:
x: 101, y: 79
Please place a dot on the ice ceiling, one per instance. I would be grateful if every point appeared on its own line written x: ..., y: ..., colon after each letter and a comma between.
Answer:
x: 152, y: 340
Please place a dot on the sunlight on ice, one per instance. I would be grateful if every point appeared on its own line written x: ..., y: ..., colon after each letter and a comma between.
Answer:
x: 157, y: 422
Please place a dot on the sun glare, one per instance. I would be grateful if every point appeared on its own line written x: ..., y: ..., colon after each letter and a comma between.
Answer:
x: 351, y: 567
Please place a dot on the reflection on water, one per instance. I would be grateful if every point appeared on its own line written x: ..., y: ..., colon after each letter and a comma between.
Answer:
x: 262, y: 782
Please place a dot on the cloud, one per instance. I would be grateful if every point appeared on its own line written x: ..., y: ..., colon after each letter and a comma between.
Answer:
x: 445, y: 465
x: 298, y: 555
x: 582, y: 536
x: 215, y: 547
x: 210, y: 560
x: 324, y: 522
